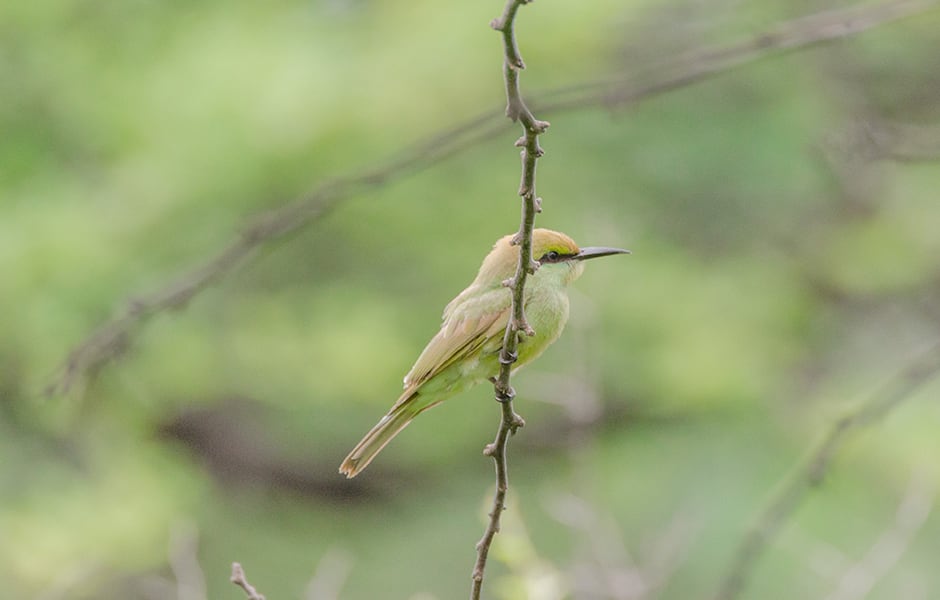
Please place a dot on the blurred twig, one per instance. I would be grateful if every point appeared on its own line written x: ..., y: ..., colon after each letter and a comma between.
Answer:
x: 225, y: 435
x: 916, y: 505
x: 610, y: 570
x: 911, y: 143
x: 697, y: 65
x: 332, y: 571
x: 184, y: 562
x: 65, y: 581
x: 854, y: 152
x: 110, y: 339
x: 238, y: 578
x: 810, y: 473
x: 516, y: 110
x: 875, y: 138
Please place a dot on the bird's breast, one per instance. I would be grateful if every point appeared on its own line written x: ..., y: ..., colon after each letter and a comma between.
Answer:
x: 547, y: 313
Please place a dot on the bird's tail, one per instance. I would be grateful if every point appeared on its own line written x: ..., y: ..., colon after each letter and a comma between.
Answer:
x: 397, y: 419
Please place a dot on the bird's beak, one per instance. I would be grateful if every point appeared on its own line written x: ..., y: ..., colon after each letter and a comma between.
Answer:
x: 597, y: 252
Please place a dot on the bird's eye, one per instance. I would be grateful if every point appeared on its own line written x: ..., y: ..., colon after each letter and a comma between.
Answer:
x: 550, y: 256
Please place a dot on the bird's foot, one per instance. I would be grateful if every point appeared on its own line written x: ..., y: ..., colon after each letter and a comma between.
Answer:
x: 505, y: 394
x: 508, y: 358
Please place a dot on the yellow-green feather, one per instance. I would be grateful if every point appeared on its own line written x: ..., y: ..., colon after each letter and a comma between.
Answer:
x: 465, y: 350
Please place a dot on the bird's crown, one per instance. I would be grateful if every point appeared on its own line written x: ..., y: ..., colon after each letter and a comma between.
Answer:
x: 500, y: 263
x: 545, y: 241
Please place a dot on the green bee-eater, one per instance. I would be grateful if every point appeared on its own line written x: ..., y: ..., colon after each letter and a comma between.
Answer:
x: 465, y: 351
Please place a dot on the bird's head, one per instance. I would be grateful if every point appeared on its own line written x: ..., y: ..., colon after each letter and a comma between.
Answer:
x: 558, y: 256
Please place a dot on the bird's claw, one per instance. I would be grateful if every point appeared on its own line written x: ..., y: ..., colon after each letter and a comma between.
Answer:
x: 508, y: 358
x: 505, y: 394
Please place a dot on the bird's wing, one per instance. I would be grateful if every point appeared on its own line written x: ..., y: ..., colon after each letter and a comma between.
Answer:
x: 467, y: 326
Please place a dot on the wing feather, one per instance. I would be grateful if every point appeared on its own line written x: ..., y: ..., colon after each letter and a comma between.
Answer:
x: 469, y: 322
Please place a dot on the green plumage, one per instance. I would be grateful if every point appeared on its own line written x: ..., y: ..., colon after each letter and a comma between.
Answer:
x: 465, y: 350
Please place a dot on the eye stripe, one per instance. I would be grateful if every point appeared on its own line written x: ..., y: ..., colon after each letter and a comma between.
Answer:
x: 554, y: 256
x: 554, y: 250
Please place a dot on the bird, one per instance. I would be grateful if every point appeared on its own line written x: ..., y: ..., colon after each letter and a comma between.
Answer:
x: 466, y: 350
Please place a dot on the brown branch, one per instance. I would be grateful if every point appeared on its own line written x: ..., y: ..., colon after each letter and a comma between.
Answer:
x: 811, y: 471
x: 109, y: 340
x: 516, y: 110
x: 238, y: 578
x: 508, y: 425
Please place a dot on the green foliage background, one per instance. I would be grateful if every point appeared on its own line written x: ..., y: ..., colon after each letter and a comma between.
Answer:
x: 771, y: 288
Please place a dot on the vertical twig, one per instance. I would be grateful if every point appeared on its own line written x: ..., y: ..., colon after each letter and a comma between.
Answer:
x: 330, y: 575
x: 516, y: 110
x: 184, y: 562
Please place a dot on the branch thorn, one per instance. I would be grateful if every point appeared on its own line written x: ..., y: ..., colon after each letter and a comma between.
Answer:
x: 239, y: 579
x: 533, y: 267
x: 539, y: 126
x: 521, y: 324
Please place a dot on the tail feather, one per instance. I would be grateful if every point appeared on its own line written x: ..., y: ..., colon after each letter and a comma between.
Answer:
x: 379, y: 436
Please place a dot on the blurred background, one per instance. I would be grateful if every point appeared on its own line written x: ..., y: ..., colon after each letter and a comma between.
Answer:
x: 785, y: 227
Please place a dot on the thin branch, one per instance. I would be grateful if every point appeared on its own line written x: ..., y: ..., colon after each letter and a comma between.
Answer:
x: 109, y: 341
x: 508, y: 425
x: 811, y: 471
x: 184, y: 562
x: 66, y: 580
x: 858, y: 580
x: 516, y: 110
x: 901, y: 142
x: 911, y: 143
x: 330, y: 575
x: 238, y: 578
x: 692, y: 67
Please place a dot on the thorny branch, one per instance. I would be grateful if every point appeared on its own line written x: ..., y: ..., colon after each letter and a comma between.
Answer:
x: 108, y: 341
x: 812, y: 470
x: 516, y: 110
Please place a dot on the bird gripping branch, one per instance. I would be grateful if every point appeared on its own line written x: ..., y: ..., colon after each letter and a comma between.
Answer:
x: 466, y: 350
